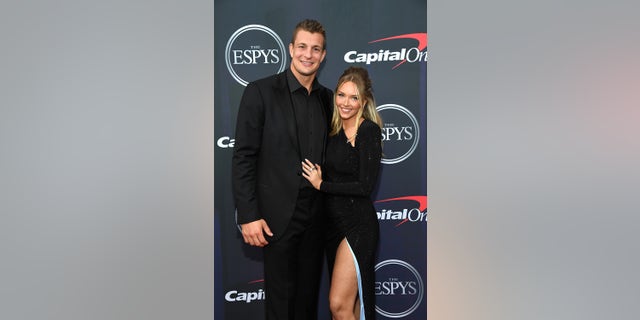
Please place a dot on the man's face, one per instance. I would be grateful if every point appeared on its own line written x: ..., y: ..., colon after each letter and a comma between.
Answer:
x: 307, y: 52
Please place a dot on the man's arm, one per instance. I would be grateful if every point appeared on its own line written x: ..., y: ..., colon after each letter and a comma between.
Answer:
x: 244, y: 165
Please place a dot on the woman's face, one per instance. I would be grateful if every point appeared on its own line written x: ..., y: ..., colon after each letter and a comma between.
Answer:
x: 348, y: 101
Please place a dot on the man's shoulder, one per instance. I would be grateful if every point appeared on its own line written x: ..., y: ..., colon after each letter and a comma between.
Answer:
x: 324, y: 91
x: 274, y: 79
x: 327, y: 97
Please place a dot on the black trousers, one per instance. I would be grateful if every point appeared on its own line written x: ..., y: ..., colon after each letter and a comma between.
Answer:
x: 293, y: 263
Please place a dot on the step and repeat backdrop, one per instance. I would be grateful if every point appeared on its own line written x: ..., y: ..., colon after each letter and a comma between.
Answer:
x: 390, y: 39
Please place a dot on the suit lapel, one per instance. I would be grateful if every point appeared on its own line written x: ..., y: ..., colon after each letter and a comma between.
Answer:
x: 283, y: 97
x: 325, y: 102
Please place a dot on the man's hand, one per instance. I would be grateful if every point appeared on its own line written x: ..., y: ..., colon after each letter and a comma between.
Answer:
x: 253, y: 233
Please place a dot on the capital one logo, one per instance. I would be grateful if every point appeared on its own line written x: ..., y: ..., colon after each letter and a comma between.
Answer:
x: 397, y: 54
x: 247, y: 294
x: 400, y: 133
x: 398, y: 287
x: 401, y: 210
x: 225, y: 142
x: 253, y: 52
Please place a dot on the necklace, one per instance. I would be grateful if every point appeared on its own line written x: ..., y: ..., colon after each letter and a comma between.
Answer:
x: 349, y: 139
x: 353, y: 136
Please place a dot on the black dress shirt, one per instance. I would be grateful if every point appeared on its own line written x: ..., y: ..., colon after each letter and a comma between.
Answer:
x: 310, y: 120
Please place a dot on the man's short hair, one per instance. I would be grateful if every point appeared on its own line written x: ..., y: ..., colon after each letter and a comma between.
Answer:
x: 311, y: 26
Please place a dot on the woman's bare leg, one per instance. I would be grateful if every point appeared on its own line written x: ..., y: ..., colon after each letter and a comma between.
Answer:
x: 343, y: 294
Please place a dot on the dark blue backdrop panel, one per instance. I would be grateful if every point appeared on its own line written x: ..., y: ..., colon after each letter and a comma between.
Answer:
x: 389, y: 38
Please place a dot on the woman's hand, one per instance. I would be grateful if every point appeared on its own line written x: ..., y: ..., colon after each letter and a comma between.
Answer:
x: 312, y: 172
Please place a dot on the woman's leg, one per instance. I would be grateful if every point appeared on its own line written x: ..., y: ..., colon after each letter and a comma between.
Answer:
x: 343, y: 294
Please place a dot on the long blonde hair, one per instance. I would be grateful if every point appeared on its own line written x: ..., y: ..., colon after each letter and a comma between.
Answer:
x: 360, y: 77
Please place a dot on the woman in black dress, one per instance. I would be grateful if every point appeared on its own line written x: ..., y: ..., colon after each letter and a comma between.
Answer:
x: 350, y: 172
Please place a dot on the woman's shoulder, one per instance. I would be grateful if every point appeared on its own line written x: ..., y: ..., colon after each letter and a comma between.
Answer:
x: 368, y: 126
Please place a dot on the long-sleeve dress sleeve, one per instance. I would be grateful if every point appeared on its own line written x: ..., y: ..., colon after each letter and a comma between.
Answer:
x: 368, y: 145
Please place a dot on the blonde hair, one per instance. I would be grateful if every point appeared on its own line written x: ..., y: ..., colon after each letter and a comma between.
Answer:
x: 360, y: 77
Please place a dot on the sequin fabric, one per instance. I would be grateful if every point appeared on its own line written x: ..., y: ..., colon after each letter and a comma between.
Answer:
x: 350, y: 175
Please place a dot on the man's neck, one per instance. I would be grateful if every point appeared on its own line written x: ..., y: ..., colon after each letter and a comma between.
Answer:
x: 305, y: 81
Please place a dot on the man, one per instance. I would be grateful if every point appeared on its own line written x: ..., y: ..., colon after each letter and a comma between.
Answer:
x: 282, y: 120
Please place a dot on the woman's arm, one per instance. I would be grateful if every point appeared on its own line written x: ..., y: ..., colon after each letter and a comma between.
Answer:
x: 369, y: 144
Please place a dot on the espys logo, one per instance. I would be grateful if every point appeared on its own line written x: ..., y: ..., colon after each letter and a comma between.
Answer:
x: 401, y: 54
x: 402, y: 209
x: 254, y: 51
x: 400, y: 133
x: 246, y: 295
x: 398, y: 287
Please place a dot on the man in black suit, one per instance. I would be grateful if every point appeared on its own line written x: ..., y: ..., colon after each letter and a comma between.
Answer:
x: 282, y: 120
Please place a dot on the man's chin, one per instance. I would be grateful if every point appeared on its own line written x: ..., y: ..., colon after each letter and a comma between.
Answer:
x: 306, y: 71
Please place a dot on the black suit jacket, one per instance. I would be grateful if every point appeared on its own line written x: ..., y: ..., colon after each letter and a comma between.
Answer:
x: 266, y: 164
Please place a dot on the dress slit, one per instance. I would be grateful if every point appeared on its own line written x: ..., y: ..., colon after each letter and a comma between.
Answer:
x: 355, y: 263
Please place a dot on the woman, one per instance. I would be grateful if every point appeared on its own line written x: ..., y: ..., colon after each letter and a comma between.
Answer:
x: 353, y: 154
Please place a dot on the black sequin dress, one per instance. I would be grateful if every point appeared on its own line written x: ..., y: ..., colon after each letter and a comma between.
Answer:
x: 350, y: 174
